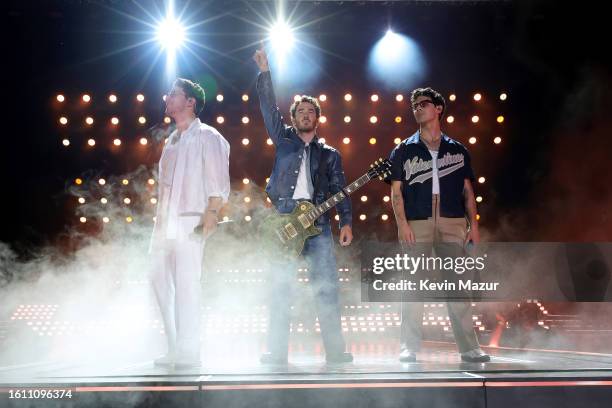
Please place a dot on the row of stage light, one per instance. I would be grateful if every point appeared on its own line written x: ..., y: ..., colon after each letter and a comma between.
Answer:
x: 245, y: 120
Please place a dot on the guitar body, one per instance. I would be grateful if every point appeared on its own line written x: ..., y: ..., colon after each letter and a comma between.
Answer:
x: 286, y: 234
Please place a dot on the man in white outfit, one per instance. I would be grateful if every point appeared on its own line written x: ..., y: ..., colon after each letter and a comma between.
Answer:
x: 193, y: 184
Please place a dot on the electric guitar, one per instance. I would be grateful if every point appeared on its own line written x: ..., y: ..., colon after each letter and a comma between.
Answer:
x: 287, y: 233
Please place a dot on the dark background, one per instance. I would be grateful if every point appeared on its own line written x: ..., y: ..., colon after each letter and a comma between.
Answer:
x: 548, y: 180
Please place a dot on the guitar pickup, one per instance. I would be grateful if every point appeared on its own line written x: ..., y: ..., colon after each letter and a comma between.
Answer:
x: 291, y: 230
x: 304, y: 221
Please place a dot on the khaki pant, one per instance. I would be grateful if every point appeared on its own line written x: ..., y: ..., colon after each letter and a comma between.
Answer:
x: 431, y: 231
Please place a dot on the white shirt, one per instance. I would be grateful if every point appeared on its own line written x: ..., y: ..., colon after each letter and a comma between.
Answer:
x: 434, y: 176
x: 303, y: 188
x: 193, y: 167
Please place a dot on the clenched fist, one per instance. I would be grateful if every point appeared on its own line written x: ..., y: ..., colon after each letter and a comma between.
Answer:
x: 261, y: 59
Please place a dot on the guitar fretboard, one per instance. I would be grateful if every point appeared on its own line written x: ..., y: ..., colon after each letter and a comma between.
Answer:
x: 338, y: 197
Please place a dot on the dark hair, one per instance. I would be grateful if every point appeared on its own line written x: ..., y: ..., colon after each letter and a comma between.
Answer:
x: 305, y: 98
x: 192, y: 90
x: 436, y: 98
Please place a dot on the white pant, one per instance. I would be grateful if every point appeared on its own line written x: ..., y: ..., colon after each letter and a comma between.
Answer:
x: 175, y: 275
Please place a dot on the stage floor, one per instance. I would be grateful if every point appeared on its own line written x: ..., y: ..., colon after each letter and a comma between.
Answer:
x: 513, y: 376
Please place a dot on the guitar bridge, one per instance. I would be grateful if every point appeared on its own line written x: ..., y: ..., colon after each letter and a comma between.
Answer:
x: 291, y: 231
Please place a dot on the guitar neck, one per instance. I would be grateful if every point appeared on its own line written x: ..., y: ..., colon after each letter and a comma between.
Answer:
x: 339, y: 196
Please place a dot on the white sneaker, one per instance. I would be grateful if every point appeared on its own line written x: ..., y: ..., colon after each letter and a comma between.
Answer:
x: 187, y: 361
x: 165, y: 360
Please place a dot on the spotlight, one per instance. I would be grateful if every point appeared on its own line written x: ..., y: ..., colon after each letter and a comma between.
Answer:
x: 125, y: 182
x: 323, y: 119
x: 347, y: 119
x: 60, y: 98
x: 472, y: 140
x: 66, y: 142
x: 140, y: 97
x: 398, y: 119
x: 346, y: 140
x: 348, y: 97
x: 497, y: 140
x: 83, y: 220
x: 245, y: 181
x: 364, y: 198
x: 477, y: 217
x: 269, y: 142
x: 247, y: 199
x: 397, y: 140
x: 373, y: 119
x: 452, y: 97
x: 322, y: 97
x: 245, y: 141
x: 153, y: 200
x: 89, y: 120
x: 450, y: 119
x: 105, y: 220
x: 63, y: 120
x: 142, y: 120
x: 112, y: 98
x: 372, y: 140
x: 102, y: 181
x: 86, y: 98
x: 91, y: 142
x: 245, y: 120
x: 386, y: 199
x: 220, y: 119
x: 127, y: 201
x: 81, y: 200
x: 247, y: 218
x: 167, y: 120
x: 479, y: 199
x: 502, y: 97
x: 500, y: 119
x: 267, y: 179
x: 170, y: 34
x: 481, y: 180
x: 143, y: 141
x: 219, y: 98
x: 281, y: 37
x: 475, y: 119
x: 477, y: 97
x: 103, y: 200
x: 78, y: 181
x: 399, y: 97
x: 384, y: 217
x: 337, y: 217
x: 374, y: 98
x: 129, y: 219
x: 322, y: 140
x: 151, y: 181
x: 117, y: 142
x: 115, y: 121
x: 362, y: 217
x: 245, y: 98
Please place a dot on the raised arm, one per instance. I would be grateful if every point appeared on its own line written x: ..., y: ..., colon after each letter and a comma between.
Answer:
x: 267, y: 100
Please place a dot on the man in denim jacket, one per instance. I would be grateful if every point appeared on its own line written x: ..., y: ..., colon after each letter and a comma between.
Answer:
x: 295, y: 173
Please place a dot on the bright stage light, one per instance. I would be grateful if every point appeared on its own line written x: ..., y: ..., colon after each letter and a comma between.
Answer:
x: 86, y: 98
x: 322, y: 140
x: 112, y: 98
x: 373, y: 119
x: 322, y: 98
x: 247, y: 199
x: 364, y: 198
x: 220, y: 119
x: 347, y: 119
x: 103, y: 200
x: 503, y: 96
x: 63, y: 120
x: 66, y: 142
x: 125, y: 182
x: 117, y: 142
x: 497, y: 140
x: 89, y: 120
x: 477, y: 97
x: 396, y: 61
x: 151, y: 181
x: 481, y: 180
x: 374, y: 98
x: 83, y: 220
x: 398, y: 119
x: 269, y: 142
x: 105, y: 220
x: 500, y: 119
x: 281, y: 37
x: 142, y: 120
x: 245, y: 120
x: 362, y: 217
x: 452, y: 98
x: 60, y: 98
x: 397, y: 140
x: 472, y: 140
x: 399, y: 97
x: 170, y: 34
x: 167, y: 120
x: 245, y: 98
x: 102, y: 181
x: 245, y: 141
x: 479, y: 199
x: 91, y: 142
x: 323, y: 119
x: 143, y: 141
x: 153, y: 200
x: 140, y: 97
x: 127, y: 201
x: 348, y: 97
x: 219, y: 98
x: 450, y: 119
x: 81, y: 200
x: 78, y: 181
x: 115, y: 121
x: 372, y: 140
x: 475, y: 119
x: 384, y: 217
x: 346, y: 140
x: 386, y: 199
x: 245, y: 181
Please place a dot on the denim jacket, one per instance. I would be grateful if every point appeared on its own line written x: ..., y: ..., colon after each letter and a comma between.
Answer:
x: 288, y: 157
